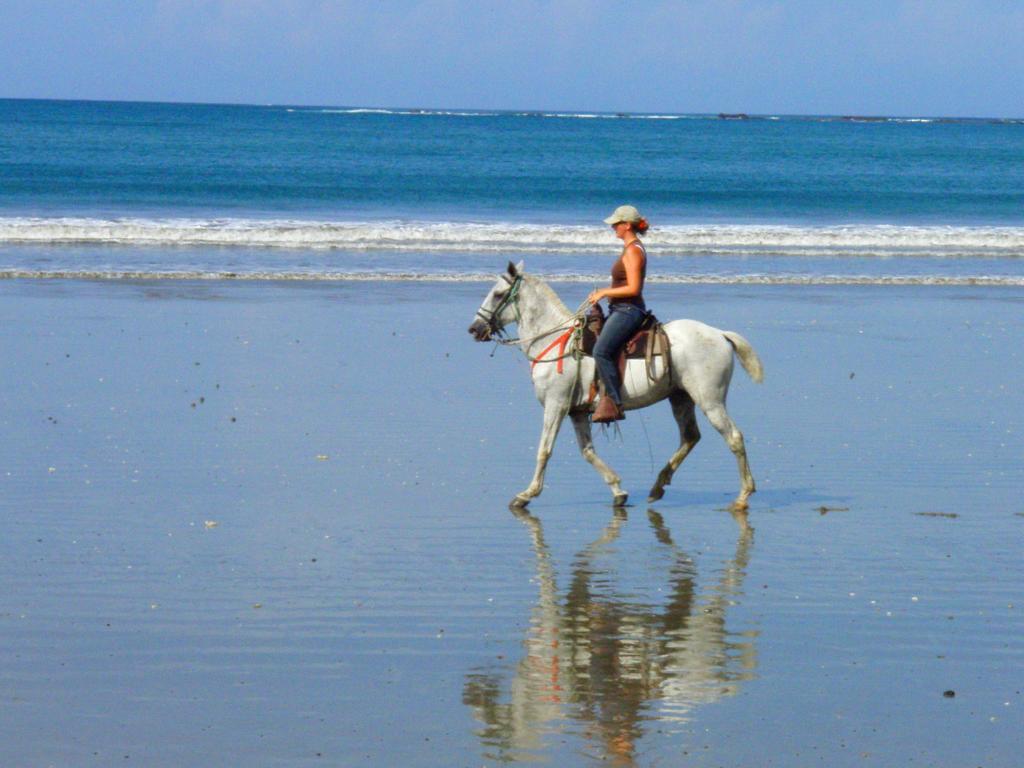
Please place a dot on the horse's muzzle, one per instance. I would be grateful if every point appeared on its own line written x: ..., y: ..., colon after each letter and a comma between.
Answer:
x: 480, y: 330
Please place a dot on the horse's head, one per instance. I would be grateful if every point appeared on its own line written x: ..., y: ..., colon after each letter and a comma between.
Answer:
x: 499, y: 306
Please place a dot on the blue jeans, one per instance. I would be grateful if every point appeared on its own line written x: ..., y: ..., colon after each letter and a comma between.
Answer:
x: 623, y: 321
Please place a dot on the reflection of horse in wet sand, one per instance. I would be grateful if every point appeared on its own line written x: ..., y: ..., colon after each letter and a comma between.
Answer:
x: 610, y: 662
x: 699, y: 373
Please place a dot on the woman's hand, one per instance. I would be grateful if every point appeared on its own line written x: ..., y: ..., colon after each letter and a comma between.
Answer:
x: 595, y: 296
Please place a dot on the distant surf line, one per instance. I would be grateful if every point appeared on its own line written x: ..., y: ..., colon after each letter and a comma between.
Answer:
x: 478, y: 277
x: 591, y: 115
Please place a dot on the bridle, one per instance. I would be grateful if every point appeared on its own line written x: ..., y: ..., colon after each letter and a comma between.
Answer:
x: 573, y: 327
x: 490, y: 317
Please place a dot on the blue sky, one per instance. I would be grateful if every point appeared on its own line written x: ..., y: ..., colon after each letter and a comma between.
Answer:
x: 899, y: 57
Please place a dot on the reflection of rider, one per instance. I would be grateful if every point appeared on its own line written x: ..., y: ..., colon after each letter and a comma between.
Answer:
x: 626, y: 309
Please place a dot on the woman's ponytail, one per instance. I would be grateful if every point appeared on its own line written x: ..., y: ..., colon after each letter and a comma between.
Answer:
x: 641, y: 226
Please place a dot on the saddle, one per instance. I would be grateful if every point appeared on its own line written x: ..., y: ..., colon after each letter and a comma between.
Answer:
x: 648, y: 342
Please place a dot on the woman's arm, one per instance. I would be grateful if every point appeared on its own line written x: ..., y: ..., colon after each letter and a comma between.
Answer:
x: 633, y: 261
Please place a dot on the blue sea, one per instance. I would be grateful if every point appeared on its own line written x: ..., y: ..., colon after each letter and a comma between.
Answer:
x: 114, y: 189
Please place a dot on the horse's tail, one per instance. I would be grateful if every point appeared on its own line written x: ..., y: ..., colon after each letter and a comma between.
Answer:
x: 748, y: 357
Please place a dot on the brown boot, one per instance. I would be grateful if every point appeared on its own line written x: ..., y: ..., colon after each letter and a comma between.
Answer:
x: 607, y: 411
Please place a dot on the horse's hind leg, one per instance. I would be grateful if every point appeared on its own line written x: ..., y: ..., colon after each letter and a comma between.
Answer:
x: 689, y: 436
x: 719, y: 418
x: 581, y: 422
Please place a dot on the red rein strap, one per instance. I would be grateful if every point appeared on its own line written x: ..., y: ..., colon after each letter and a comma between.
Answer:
x: 560, y: 342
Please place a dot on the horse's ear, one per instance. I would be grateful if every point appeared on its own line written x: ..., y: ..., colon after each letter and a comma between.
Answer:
x: 512, y: 269
x: 520, y: 267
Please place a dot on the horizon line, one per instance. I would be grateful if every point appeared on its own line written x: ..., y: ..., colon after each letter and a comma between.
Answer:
x: 734, y: 115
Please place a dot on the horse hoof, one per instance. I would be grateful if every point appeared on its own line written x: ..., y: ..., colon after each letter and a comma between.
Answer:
x: 518, y: 502
x: 656, y: 493
x: 620, y: 499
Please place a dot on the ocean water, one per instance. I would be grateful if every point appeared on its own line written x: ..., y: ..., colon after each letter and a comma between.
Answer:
x: 264, y: 522
x: 112, y: 189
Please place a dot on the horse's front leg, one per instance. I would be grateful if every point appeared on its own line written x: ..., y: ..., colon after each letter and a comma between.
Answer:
x: 553, y: 417
x: 581, y: 421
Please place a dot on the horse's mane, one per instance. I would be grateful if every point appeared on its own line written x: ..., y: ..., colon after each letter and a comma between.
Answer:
x: 548, y: 294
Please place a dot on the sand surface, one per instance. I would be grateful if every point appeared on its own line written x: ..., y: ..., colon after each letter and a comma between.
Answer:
x: 266, y: 524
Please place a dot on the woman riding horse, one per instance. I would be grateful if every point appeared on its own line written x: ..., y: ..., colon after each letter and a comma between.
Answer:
x: 626, y: 308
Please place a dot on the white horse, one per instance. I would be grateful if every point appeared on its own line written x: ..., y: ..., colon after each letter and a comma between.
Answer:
x: 699, y: 373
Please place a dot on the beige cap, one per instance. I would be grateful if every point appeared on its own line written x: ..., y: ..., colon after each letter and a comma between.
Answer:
x: 624, y: 213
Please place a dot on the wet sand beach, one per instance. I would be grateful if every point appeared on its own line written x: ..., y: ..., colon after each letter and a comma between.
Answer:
x: 265, y: 523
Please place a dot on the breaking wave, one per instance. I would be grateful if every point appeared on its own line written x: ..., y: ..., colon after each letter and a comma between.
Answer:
x: 492, y: 113
x: 880, y: 241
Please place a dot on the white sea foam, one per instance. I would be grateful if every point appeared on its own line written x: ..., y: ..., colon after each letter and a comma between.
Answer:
x: 381, y: 111
x: 496, y: 113
x: 690, y: 240
x: 641, y: 116
x: 493, y: 113
x: 358, y: 111
x: 474, y: 277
